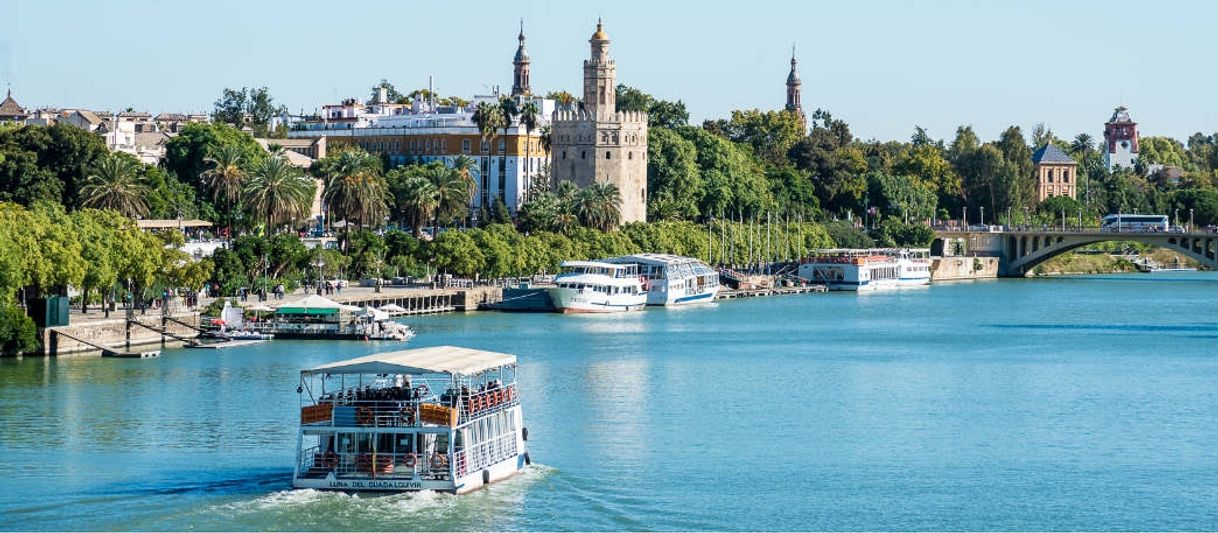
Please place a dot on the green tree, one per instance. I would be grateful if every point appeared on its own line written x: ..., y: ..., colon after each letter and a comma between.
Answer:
x: 457, y: 253
x: 674, y: 181
x: 355, y: 189
x: 225, y: 176
x: 599, y: 206
x: 391, y: 93
x: 770, y: 133
x: 186, y: 154
x: 277, y: 193
x: 248, y: 106
x: 115, y: 183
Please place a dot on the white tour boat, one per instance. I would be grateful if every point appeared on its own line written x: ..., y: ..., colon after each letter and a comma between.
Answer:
x: 597, y: 287
x: 867, y: 270
x: 442, y: 418
x: 673, y: 279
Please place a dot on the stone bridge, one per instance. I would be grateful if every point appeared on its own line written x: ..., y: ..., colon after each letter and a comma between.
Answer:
x: 1019, y: 251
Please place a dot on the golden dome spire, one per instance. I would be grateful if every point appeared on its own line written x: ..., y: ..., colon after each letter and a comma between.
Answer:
x: 600, y: 32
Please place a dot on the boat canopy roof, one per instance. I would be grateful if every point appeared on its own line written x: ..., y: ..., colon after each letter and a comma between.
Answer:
x: 433, y: 360
x: 314, y: 305
x: 591, y: 264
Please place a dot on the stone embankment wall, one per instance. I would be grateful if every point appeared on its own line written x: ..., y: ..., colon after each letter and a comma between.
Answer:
x: 963, y: 268
x: 112, y: 332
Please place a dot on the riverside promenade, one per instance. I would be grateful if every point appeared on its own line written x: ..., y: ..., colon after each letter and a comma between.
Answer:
x: 156, y: 328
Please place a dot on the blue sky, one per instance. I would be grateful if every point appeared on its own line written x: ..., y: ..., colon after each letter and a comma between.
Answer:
x: 883, y: 66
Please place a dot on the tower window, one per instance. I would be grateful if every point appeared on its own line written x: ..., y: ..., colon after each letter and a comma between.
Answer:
x: 583, y: 155
x: 1065, y: 176
x: 564, y: 154
x: 608, y: 155
x: 465, y: 146
x: 629, y: 155
x: 1050, y: 175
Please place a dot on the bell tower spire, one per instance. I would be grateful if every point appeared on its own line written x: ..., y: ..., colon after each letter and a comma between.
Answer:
x: 794, y: 87
x: 520, y: 71
x: 600, y: 91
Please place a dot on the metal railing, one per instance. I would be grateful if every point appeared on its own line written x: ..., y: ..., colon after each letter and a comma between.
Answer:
x: 396, y: 413
x: 368, y: 465
x: 485, y: 454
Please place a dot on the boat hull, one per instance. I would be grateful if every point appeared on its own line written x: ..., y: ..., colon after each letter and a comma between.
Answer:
x: 470, y: 482
x: 572, y: 301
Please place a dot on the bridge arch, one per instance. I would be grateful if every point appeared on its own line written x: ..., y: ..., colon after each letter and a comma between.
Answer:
x: 1022, y: 251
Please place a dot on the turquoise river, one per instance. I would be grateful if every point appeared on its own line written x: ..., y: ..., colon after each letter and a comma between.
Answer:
x: 1074, y: 403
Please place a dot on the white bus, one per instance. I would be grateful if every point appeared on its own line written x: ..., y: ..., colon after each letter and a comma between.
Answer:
x: 1123, y: 222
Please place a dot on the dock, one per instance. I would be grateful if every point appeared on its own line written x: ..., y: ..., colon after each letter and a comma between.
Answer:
x: 225, y: 344
x: 772, y: 291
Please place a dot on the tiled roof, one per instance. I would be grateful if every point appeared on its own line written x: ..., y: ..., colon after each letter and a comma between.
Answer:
x: 178, y: 117
x: 10, y: 107
x: 1050, y: 153
x: 150, y: 138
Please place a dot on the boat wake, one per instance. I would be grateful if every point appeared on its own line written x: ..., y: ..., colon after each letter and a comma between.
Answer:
x: 299, y: 509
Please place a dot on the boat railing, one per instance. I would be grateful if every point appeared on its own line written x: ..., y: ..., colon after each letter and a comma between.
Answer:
x: 485, y: 454
x: 449, y: 409
x: 369, y: 465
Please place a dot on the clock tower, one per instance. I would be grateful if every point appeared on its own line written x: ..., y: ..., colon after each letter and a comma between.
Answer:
x: 1120, y: 140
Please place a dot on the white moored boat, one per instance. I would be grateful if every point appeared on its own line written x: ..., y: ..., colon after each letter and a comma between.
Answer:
x: 867, y: 270
x: 442, y: 418
x: 673, y: 279
x: 597, y: 287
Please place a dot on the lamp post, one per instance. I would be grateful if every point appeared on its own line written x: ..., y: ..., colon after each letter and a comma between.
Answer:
x: 1190, y: 219
x: 964, y: 216
x: 319, y: 263
x: 1176, y: 220
x: 982, y: 222
x: 1080, y: 219
x: 1009, y: 217
x: 1025, y: 216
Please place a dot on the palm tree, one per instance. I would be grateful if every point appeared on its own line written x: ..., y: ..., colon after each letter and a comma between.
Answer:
x: 278, y: 192
x: 455, y: 190
x: 420, y: 201
x: 529, y: 117
x: 598, y: 206
x: 355, y: 188
x: 489, y: 118
x: 225, y: 176
x: 115, y: 183
x: 1081, y: 145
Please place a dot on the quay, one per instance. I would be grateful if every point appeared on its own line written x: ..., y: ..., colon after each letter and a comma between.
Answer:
x: 772, y: 291
x: 121, y: 334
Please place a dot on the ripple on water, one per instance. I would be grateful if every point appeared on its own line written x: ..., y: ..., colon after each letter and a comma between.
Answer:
x: 309, y: 509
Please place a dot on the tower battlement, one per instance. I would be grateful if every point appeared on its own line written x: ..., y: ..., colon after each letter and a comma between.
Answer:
x: 598, y: 144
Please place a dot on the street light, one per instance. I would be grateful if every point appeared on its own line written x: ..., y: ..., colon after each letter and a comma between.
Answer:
x: 1177, y: 218
x: 1025, y: 216
x: 319, y: 263
x: 983, y: 215
x: 1190, y: 219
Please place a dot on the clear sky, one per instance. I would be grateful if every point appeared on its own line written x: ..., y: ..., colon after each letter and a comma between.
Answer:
x: 883, y: 66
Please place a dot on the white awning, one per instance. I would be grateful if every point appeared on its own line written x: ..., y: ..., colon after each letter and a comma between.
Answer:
x: 433, y: 360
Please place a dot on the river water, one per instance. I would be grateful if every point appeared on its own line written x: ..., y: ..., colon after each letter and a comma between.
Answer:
x: 1075, y: 403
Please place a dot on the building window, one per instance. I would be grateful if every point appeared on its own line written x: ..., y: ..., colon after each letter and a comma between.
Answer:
x: 1050, y: 175
x: 1065, y: 176
x: 564, y: 154
x: 608, y: 155
x: 465, y: 146
x: 629, y: 155
x: 583, y: 155
x: 502, y: 145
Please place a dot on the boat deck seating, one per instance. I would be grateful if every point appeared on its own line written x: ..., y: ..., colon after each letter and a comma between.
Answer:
x: 407, y: 407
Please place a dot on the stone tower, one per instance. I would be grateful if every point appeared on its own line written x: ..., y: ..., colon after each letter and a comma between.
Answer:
x: 520, y: 76
x: 793, y: 87
x: 598, y: 143
x: 1120, y: 140
x: 599, y: 72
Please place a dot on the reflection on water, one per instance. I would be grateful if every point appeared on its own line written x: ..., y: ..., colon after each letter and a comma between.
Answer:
x: 1009, y: 405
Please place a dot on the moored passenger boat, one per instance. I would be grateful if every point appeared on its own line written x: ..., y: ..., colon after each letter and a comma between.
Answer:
x: 673, y: 279
x: 867, y: 270
x: 442, y: 418
x: 597, y: 287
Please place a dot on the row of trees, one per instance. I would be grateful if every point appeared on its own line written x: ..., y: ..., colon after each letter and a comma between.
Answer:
x: 101, y: 253
x: 499, y: 250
